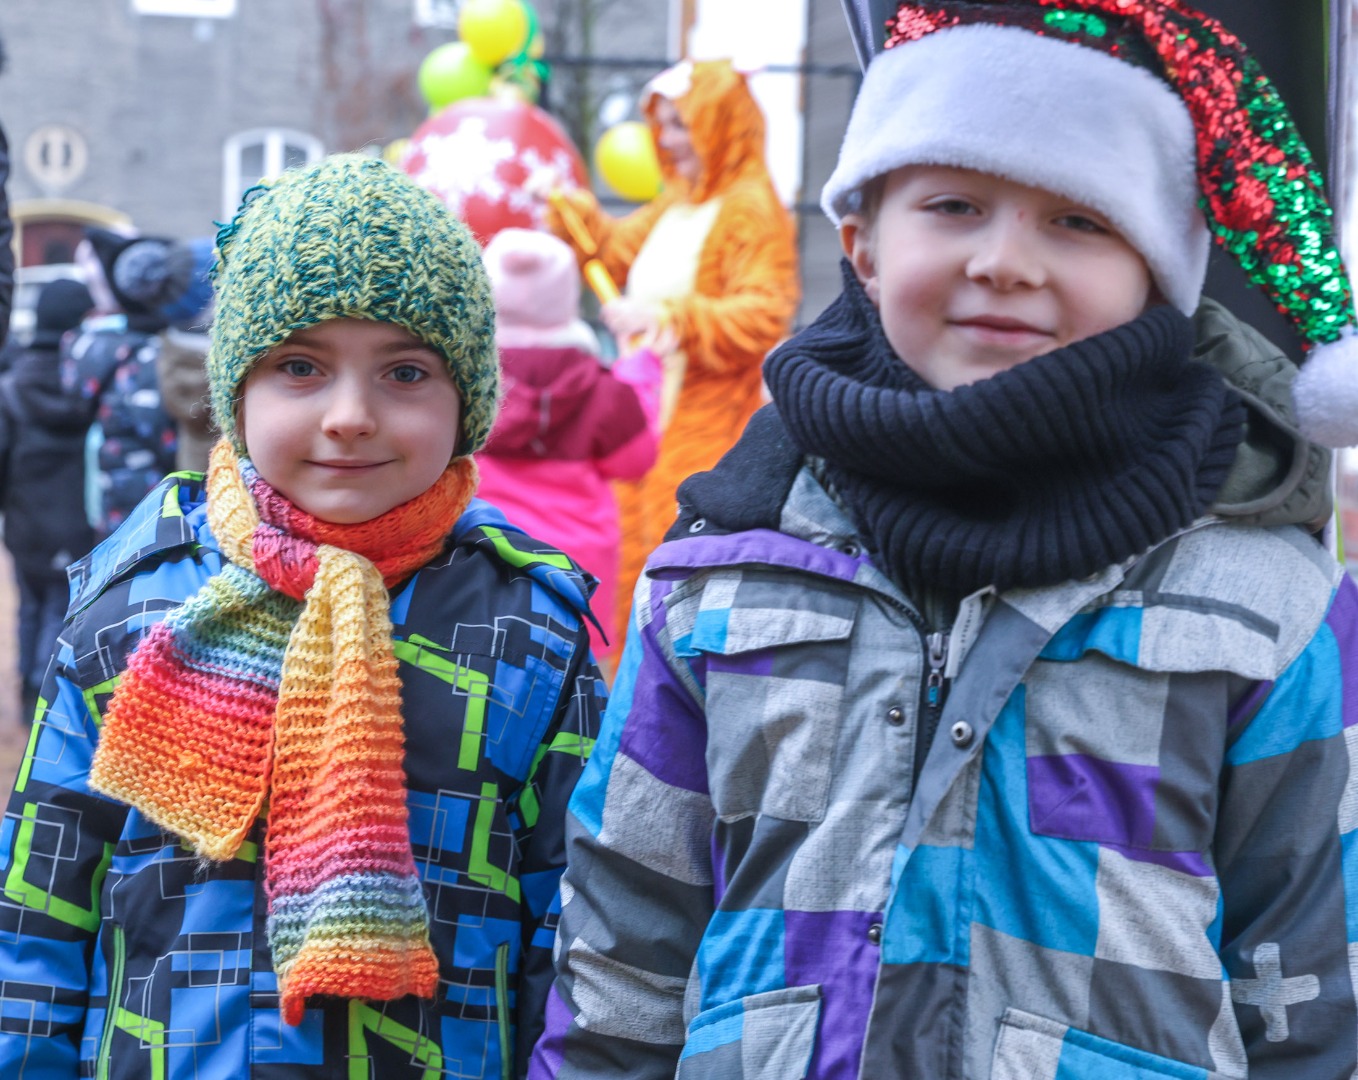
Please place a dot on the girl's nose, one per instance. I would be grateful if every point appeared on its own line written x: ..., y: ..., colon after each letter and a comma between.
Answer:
x: 349, y: 413
x: 1007, y: 254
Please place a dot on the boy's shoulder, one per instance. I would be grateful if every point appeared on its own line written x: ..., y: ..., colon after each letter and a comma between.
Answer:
x: 1218, y: 596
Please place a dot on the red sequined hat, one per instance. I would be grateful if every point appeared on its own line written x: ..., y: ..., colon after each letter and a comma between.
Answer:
x: 994, y: 85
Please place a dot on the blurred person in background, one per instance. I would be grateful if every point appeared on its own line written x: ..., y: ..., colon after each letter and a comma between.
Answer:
x: 42, y: 468
x: 184, y: 297
x: 713, y: 259
x: 112, y: 364
x: 567, y: 424
x: 6, y: 229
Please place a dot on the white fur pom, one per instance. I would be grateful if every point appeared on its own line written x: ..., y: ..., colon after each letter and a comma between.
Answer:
x: 1326, y: 393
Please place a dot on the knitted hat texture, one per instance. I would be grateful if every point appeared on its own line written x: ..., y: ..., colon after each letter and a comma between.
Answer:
x: 1088, y: 98
x: 351, y: 238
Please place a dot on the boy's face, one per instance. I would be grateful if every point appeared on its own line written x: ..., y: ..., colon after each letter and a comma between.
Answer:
x: 974, y: 274
x: 350, y: 418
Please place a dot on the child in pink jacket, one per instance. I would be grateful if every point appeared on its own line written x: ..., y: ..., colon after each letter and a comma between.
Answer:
x: 568, y: 425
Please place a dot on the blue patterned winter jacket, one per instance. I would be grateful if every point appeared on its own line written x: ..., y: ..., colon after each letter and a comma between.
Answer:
x: 122, y: 955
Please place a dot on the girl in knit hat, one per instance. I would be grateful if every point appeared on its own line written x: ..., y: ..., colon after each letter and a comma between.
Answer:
x: 989, y: 711
x: 293, y: 803
x: 569, y: 426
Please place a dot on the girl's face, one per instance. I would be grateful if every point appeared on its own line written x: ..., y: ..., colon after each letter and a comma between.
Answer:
x: 675, y: 141
x: 350, y: 418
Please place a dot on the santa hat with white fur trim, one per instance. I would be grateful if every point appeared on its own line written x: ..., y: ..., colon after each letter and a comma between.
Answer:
x: 1147, y: 111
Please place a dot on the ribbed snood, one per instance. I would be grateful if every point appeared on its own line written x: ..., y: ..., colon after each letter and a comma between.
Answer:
x: 1051, y: 470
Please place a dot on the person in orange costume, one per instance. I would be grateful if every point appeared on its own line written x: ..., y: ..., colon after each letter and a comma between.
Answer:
x: 711, y: 261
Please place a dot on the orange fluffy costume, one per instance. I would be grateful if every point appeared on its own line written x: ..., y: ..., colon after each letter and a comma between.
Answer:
x: 717, y: 256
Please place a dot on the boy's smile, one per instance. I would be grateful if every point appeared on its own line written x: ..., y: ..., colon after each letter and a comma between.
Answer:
x: 974, y: 274
x: 350, y: 418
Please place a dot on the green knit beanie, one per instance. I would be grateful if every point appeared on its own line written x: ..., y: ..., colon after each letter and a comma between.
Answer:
x: 352, y: 238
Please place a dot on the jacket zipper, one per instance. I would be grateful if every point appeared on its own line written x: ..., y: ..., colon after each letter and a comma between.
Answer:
x: 933, y: 697
x: 934, y: 686
x: 115, y: 996
x: 502, y: 1010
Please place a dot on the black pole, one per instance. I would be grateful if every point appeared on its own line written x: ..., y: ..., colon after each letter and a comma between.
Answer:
x: 1289, y: 41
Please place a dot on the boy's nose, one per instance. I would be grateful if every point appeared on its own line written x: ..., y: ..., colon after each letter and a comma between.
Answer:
x: 1006, y: 255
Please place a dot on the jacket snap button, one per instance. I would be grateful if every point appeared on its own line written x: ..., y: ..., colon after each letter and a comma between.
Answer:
x: 962, y: 734
x: 895, y: 716
x: 875, y: 933
x: 851, y: 549
x: 698, y: 526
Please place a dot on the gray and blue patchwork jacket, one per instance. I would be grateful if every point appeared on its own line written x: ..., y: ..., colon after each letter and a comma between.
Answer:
x: 1129, y: 849
x: 122, y: 955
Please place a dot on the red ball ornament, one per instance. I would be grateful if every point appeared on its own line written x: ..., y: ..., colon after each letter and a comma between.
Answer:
x: 493, y: 162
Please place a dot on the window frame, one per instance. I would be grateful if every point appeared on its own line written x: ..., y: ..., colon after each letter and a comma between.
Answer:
x: 275, y: 142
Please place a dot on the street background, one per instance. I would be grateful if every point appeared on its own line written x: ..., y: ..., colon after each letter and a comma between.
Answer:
x: 13, y: 731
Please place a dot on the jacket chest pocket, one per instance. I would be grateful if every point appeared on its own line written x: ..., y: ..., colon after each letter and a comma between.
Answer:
x: 775, y: 684
x: 1098, y: 735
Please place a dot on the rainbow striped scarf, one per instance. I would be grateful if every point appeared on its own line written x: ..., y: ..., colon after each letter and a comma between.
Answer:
x: 276, y: 683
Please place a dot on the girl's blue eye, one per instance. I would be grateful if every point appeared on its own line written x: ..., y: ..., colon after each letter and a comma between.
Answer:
x: 298, y: 369
x: 408, y: 373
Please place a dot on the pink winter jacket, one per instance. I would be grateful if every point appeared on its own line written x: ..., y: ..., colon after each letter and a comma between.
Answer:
x: 569, y: 426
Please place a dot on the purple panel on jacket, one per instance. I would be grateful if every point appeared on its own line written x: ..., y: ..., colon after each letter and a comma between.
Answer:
x: 550, y: 1053
x: 1077, y: 797
x: 832, y: 948
x: 1343, y: 623
x: 750, y: 663
x: 756, y: 546
x: 665, y: 732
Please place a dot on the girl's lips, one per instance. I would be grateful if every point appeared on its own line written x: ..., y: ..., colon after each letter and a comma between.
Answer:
x: 347, y: 466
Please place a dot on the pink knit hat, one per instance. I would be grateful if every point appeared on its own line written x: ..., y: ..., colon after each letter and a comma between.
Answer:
x: 534, y: 280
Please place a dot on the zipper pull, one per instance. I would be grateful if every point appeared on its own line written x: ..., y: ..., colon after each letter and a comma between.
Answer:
x: 938, y: 660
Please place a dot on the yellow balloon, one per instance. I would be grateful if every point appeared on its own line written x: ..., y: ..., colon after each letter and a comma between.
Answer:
x: 625, y: 157
x: 494, y: 30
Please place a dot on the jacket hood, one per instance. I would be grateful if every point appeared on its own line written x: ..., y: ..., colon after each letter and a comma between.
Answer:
x: 545, y: 389
x: 1279, y: 478
x: 724, y: 123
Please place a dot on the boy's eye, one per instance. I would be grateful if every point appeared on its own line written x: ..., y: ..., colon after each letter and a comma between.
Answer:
x: 951, y: 206
x: 408, y: 373
x: 1081, y: 223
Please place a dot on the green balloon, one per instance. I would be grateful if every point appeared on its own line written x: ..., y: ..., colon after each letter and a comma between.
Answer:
x: 451, y: 73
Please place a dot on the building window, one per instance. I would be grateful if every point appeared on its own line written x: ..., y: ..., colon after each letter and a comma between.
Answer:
x: 253, y: 156
x: 197, y: 9
x: 440, y: 13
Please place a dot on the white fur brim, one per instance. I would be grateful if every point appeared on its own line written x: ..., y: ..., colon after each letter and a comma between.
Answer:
x: 1325, y: 393
x: 1045, y: 113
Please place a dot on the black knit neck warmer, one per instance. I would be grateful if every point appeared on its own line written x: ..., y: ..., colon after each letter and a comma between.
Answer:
x: 1048, y: 471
